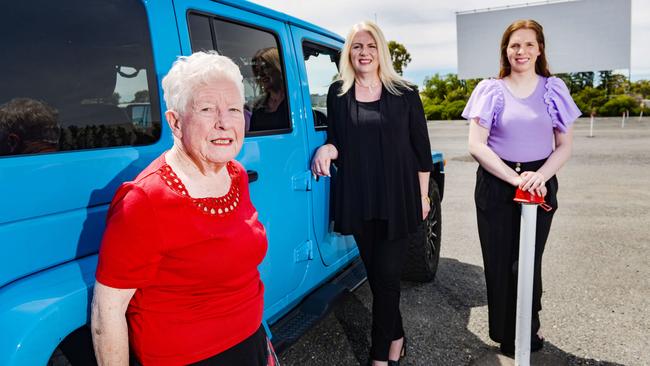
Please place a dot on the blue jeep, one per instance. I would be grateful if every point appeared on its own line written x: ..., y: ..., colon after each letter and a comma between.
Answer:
x: 81, y: 113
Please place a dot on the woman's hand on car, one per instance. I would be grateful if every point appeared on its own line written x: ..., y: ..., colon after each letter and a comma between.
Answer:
x: 320, y: 164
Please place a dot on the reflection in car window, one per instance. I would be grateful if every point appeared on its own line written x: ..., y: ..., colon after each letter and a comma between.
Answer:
x: 321, y: 65
x: 270, y: 108
x: 28, y: 126
x: 78, y: 82
x: 258, y: 56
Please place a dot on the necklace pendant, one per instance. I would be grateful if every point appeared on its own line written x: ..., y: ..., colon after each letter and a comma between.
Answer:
x: 369, y: 87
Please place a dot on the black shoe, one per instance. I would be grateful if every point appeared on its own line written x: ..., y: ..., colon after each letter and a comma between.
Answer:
x: 536, y: 344
x: 390, y: 363
x: 507, y: 349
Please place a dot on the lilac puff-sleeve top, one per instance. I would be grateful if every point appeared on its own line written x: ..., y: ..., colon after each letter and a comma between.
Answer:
x: 522, y: 129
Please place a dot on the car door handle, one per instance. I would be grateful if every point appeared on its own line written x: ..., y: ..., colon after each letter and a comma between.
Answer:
x: 252, y: 175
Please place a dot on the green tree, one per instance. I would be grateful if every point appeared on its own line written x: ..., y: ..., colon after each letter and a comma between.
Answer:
x: 114, y: 99
x: 399, y: 55
x: 456, y: 95
x: 432, y: 111
x: 449, y: 87
x: 619, y: 84
x: 590, y: 99
x: 454, y: 84
x: 641, y: 88
x: 141, y: 96
x: 453, y: 110
x: 445, y: 97
x: 619, y: 104
x: 577, y: 81
x: 582, y: 80
x: 613, y: 83
x: 435, y: 88
x: 605, y: 76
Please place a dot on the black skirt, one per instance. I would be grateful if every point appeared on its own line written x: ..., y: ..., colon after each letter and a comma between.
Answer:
x: 255, y: 350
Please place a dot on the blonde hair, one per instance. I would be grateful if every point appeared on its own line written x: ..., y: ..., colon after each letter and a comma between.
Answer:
x: 268, y: 55
x: 387, y: 74
x: 271, y: 57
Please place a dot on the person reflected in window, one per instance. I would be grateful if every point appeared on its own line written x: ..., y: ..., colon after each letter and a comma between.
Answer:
x: 521, y: 134
x: 270, y: 110
x: 28, y: 126
x: 377, y: 136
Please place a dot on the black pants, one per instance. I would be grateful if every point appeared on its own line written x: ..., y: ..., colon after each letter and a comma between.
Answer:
x: 252, y: 351
x: 384, y: 260
x: 499, y: 219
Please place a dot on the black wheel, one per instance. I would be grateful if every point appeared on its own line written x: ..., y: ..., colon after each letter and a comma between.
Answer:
x: 58, y: 359
x: 75, y: 349
x: 424, y: 245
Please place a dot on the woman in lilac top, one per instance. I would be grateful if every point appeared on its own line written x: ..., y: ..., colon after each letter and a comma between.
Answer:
x: 521, y: 135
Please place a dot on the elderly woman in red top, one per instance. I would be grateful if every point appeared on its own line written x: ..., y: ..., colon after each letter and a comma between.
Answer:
x: 177, y: 279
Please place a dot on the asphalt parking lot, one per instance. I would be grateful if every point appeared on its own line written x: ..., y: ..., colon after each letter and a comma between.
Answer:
x: 596, y: 268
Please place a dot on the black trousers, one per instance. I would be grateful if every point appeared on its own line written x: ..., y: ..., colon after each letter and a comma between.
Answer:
x: 252, y: 351
x: 499, y: 219
x: 384, y: 260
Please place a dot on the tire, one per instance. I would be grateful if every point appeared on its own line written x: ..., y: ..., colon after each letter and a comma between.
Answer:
x: 58, y: 359
x: 75, y: 349
x: 424, y: 245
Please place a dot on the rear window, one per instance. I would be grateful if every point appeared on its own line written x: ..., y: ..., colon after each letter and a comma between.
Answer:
x: 76, y: 75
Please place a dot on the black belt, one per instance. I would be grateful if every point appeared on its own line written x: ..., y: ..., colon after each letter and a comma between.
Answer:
x: 528, y: 166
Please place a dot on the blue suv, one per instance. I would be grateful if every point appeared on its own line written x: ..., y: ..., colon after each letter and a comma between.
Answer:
x: 80, y: 113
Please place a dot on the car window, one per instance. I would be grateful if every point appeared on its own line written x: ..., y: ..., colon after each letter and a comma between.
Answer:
x: 71, y: 74
x: 259, y: 57
x: 321, y: 66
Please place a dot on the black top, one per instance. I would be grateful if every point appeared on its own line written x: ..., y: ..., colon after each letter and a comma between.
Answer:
x: 367, y: 126
x: 380, y: 155
x: 261, y: 120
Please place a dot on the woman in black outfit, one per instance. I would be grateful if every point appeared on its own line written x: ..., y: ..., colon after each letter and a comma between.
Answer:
x: 270, y: 110
x: 378, y: 136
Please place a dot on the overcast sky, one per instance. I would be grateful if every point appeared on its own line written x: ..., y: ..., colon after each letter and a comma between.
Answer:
x: 428, y: 28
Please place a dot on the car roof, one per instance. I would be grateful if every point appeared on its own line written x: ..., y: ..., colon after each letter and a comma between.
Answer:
x: 262, y: 10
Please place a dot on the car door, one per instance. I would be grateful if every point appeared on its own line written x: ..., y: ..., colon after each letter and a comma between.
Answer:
x: 66, y: 141
x: 274, y: 150
x: 318, y: 68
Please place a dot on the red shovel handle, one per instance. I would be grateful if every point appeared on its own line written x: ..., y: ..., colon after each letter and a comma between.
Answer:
x: 528, y: 198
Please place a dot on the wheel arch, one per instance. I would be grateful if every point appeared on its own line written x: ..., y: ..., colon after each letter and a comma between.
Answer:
x: 39, y: 311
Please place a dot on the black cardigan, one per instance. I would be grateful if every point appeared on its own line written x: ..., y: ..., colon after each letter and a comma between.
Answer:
x: 404, y: 139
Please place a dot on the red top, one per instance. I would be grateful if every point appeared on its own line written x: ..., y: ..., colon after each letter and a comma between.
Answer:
x: 193, y: 263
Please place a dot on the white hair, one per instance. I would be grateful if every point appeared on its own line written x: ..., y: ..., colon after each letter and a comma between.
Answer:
x: 199, y: 69
x: 393, y: 82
